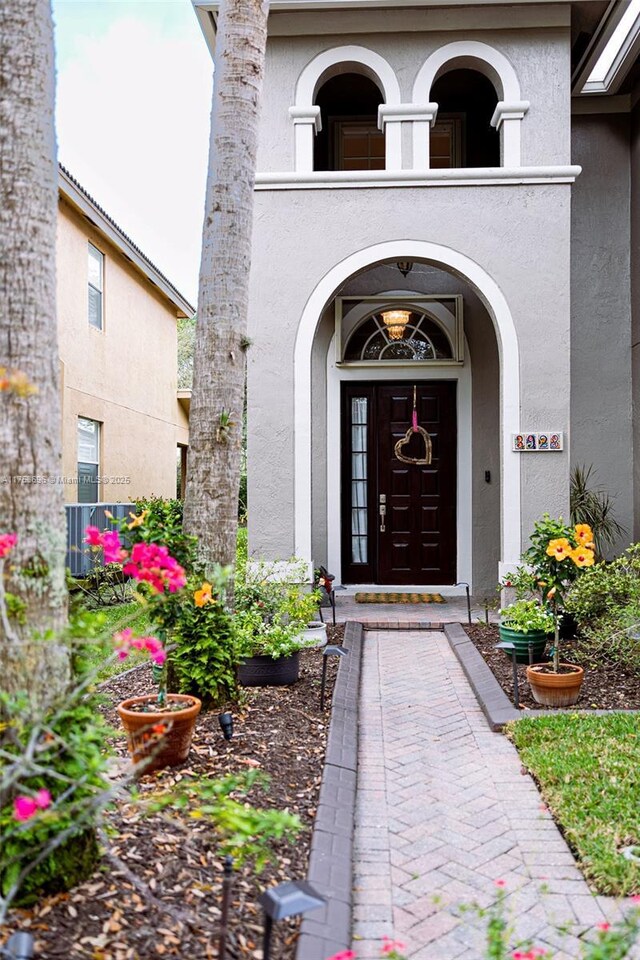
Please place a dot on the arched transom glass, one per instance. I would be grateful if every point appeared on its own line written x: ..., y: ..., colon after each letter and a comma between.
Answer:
x: 422, y: 339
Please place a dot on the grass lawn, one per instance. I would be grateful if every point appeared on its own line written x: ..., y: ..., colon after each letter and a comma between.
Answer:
x: 116, y: 618
x: 588, y: 770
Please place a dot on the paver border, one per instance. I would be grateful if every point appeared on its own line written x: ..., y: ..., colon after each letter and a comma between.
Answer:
x: 327, y: 931
x: 493, y: 701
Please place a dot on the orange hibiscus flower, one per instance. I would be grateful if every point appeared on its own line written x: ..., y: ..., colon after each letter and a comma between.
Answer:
x: 584, y: 535
x: 204, y: 595
x: 559, y: 549
x: 583, y: 557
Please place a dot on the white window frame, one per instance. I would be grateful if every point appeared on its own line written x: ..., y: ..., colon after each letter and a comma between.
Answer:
x: 92, y: 250
x: 85, y: 460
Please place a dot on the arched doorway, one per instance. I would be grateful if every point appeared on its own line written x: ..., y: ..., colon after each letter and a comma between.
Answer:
x: 307, y: 398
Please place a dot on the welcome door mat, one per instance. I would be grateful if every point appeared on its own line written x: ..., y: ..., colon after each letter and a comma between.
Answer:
x: 399, y: 598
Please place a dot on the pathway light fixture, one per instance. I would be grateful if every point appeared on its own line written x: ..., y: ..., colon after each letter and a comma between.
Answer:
x: 290, y: 899
x: 463, y: 583
x: 329, y: 651
x: 19, y: 946
x: 226, y: 724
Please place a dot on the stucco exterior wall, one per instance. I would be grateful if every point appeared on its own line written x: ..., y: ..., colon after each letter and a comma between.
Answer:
x: 540, y: 57
x: 635, y: 311
x: 601, y: 335
x: 124, y: 376
x: 519, y: 235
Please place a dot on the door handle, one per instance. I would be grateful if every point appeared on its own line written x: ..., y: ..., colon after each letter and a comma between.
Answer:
x: 383, y: 514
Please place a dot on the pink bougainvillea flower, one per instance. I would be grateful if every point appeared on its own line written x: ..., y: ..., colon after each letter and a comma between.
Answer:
x: 604, y: 926
x: 122, y: 642
x: 500, y: 883
x: 635, y: 898
x: 7, y: 543
x: 26, y: 807
x: 93, y: 537
x: 391, y: 946
x: 152, y: 644
x: 154, y: 565
x: 343, y: 955
x: 43, y: 799
x: 112, y: 548
x: 159, y: 657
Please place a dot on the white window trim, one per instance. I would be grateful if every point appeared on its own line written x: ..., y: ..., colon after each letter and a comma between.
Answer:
x: 100, y: 329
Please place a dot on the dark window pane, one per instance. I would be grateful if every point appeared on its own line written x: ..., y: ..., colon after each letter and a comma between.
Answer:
x: 88, y: 483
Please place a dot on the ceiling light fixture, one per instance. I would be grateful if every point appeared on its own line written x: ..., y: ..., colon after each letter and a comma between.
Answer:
x: 395, y: 321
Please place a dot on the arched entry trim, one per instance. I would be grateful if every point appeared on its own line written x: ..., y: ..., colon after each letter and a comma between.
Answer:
x: 493, y: 299
x: 325, y: 65
x: 474, y: 55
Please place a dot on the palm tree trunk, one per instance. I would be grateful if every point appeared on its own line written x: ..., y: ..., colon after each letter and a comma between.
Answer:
x: 31, y: 496
x: 214, y: 461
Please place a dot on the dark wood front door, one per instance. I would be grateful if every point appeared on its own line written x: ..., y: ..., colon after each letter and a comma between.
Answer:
x: 399, y: 519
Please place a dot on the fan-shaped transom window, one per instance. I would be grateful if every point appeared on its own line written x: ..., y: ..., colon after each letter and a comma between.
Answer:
x: 398, y: 335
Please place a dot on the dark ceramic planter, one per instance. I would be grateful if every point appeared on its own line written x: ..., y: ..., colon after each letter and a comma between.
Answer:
x: 537, y: 638
x: 267, y: 672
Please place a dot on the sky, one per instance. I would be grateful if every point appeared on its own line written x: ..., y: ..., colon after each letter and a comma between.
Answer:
x: 132, y: 117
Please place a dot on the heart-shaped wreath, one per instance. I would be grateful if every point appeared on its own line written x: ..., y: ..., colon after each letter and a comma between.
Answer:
x: 428, y: 449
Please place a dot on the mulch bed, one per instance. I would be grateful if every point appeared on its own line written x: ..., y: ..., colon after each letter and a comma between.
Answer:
x: 606, y: 686
x: 279, y: 729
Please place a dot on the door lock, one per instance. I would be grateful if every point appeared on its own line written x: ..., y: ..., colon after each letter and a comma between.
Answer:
x: 383, y: 512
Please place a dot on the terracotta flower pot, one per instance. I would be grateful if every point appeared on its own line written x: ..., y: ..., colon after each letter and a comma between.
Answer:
x: 555, y: 689
x: 162, y: 736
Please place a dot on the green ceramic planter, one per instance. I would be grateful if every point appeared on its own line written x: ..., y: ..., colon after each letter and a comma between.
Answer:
x: 537, y: 638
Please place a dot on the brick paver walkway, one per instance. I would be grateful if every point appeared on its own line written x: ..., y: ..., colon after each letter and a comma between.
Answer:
x: 444, y: 810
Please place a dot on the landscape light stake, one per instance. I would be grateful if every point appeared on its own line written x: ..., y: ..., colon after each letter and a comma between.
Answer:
x: 464, y: 584
x: 290, y: 899
x: 19, y: 946
x: 510, y: 648
x: 224, y: 913
x: 226, y: 724
x: 330, y: 651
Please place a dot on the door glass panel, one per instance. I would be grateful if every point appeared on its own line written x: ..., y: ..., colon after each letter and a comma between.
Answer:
x: 359, y: 541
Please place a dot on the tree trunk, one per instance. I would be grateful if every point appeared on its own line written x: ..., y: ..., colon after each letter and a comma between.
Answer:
x: 31, y: 496
x: 214, y: 461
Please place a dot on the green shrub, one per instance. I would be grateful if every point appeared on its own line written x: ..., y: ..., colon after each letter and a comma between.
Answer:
x: 162, y: 524
x: 203, y: 656
x: 525, y: 616
x: 69, y: 745
x: 606, y: 603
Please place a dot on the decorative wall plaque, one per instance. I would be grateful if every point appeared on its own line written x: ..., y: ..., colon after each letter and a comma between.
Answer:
x: 547, y: 441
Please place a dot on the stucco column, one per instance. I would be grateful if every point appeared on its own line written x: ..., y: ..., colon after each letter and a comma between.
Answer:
x: 509, y: 116
x: 306, y: 123
x: 390, y: 120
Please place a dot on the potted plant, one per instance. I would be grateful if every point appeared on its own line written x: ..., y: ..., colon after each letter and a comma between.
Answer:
x: 273, y: 609
x: 268, y: 653
x: 159, y: 726
x: 526, y: 624
x: 557, y: 555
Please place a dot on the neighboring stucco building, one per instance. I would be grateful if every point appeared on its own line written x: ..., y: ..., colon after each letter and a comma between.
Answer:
x: 444, y: 161
x: 124, y: 428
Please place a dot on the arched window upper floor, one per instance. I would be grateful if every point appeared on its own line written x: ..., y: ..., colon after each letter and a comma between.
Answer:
x: 466, y: 111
